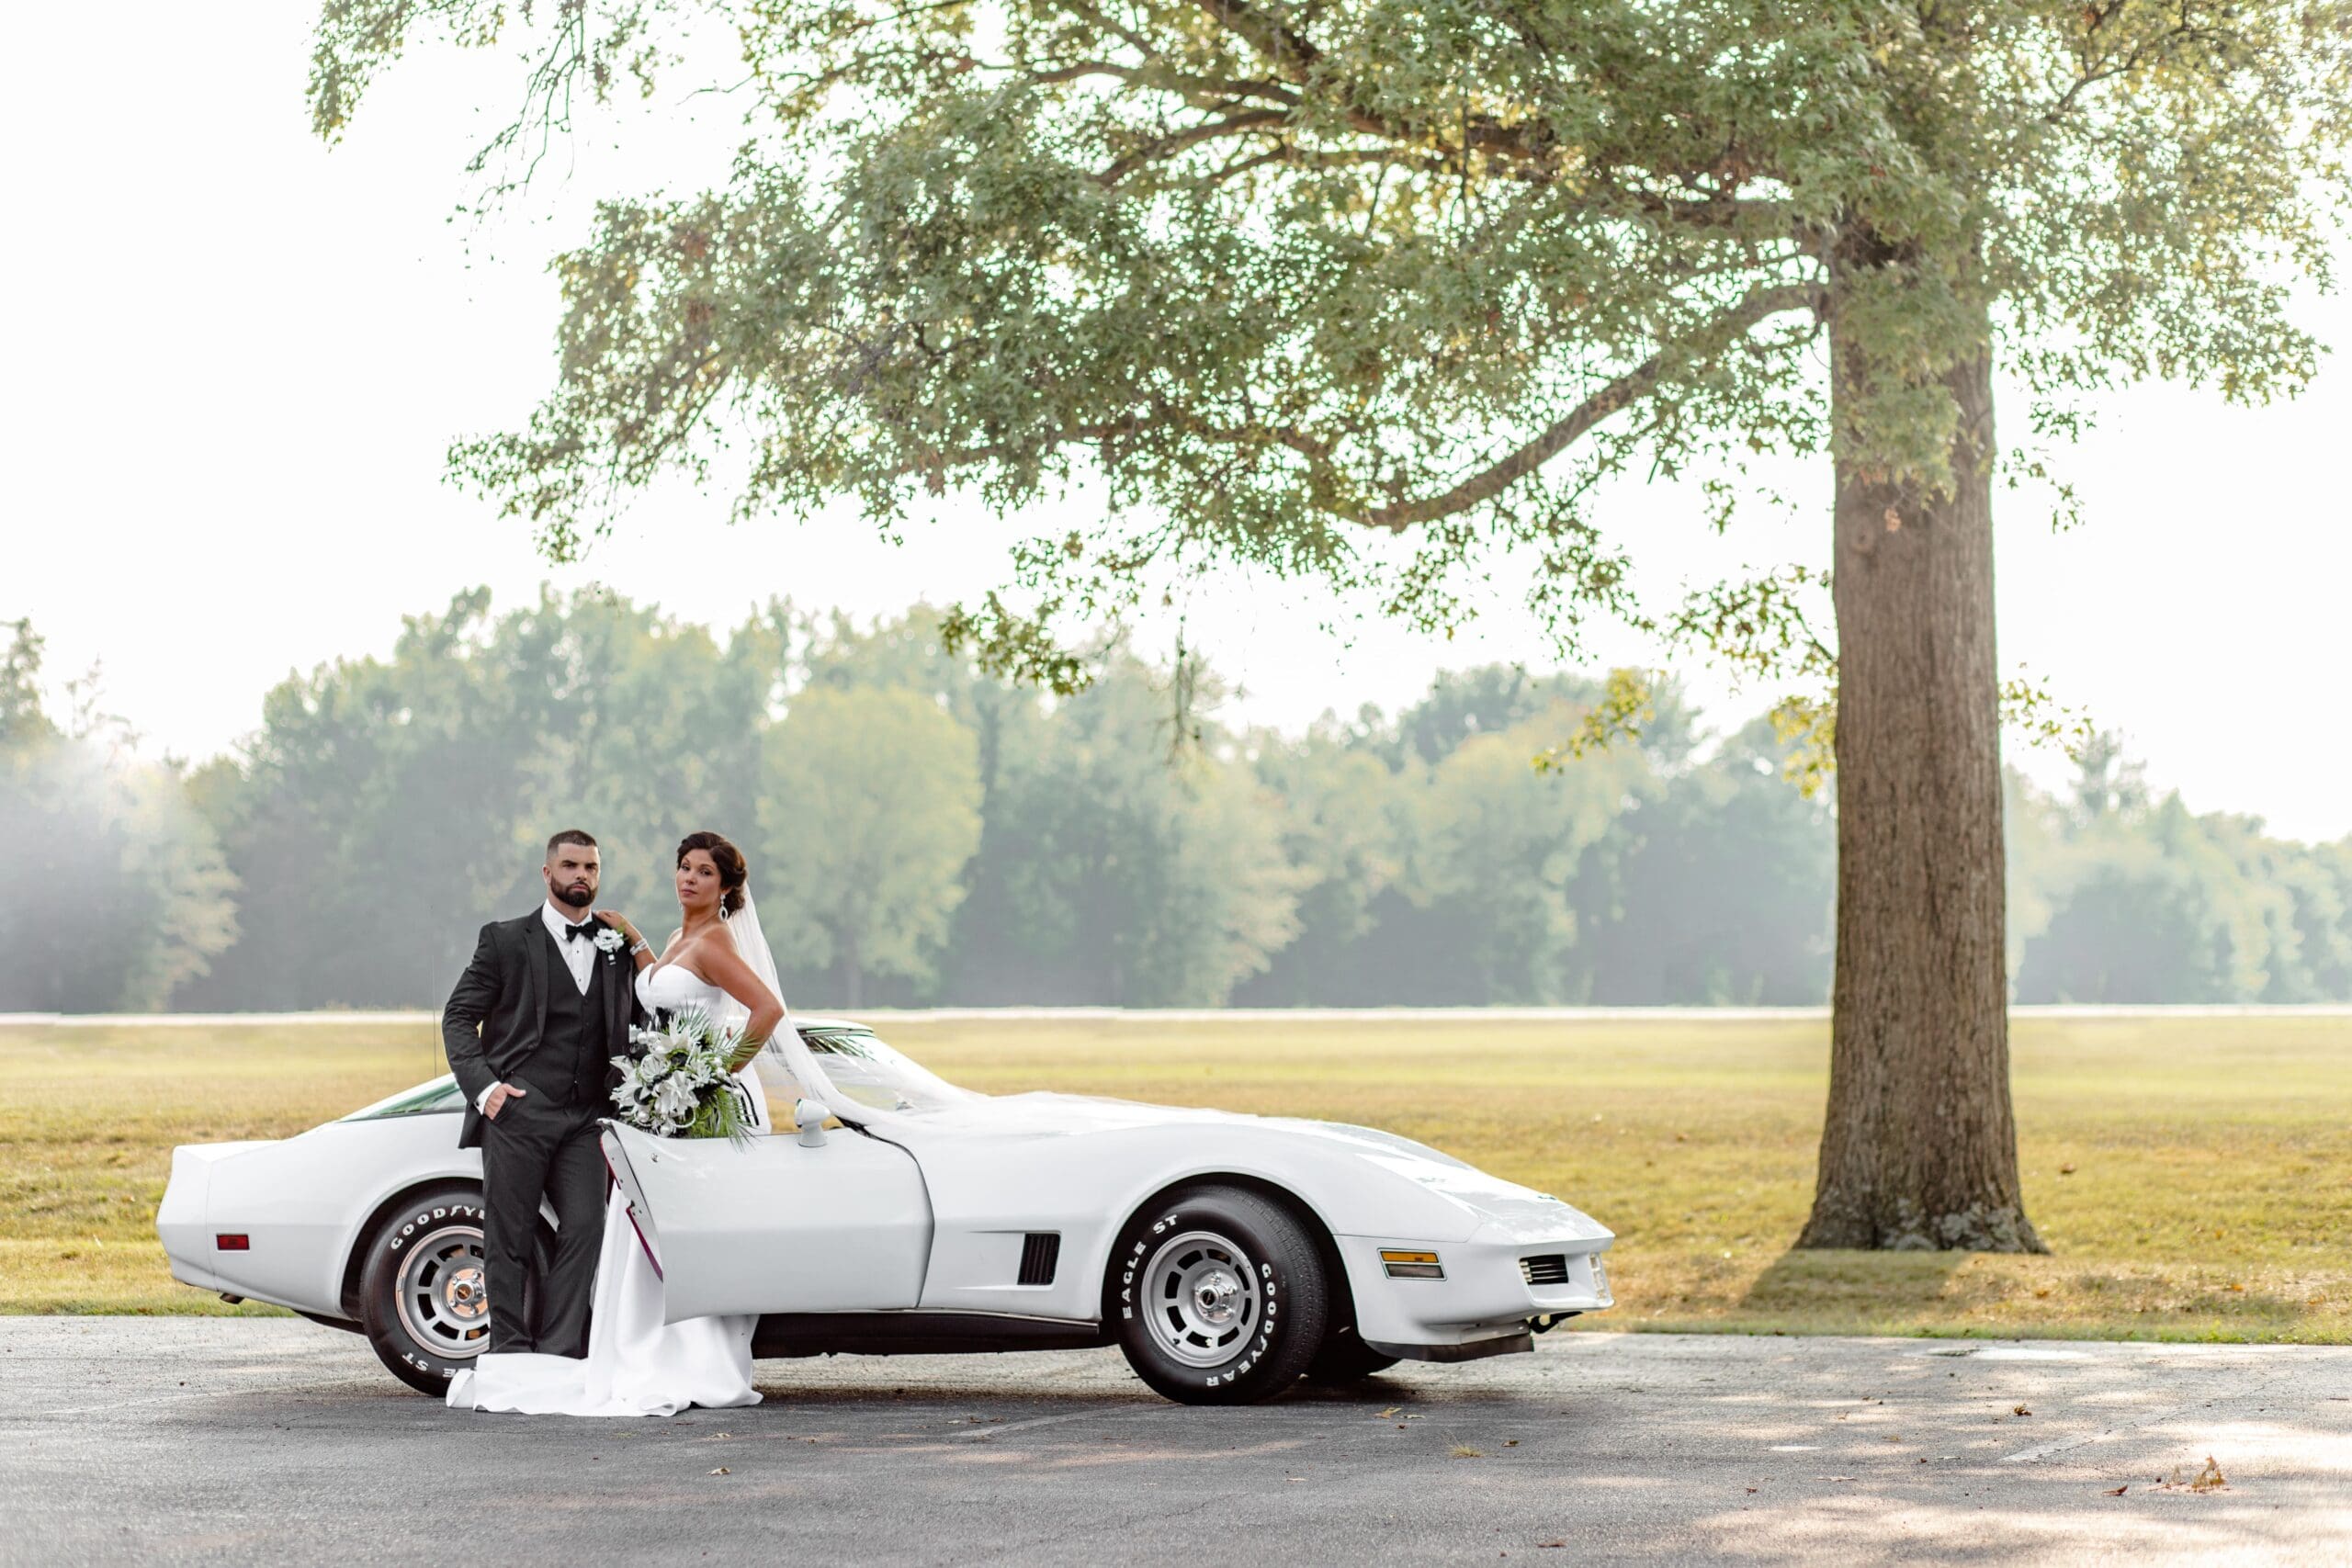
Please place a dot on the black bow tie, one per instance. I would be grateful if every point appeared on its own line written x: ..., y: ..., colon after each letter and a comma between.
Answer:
x: 586, y: 928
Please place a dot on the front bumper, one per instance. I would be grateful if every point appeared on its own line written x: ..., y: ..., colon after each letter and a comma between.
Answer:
x: 1496, y: 1290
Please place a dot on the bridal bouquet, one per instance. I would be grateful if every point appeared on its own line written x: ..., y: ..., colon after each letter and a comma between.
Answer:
x: 678, y: 1085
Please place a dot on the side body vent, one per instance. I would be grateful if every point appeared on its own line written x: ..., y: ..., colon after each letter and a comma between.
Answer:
x: 1040, y: 1251
x: 1546, y: 1269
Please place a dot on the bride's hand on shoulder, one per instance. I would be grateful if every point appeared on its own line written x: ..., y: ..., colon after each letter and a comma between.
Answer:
x: 627, y: 928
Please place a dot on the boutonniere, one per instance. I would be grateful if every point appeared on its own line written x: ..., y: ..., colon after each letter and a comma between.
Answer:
x: 608, y: 942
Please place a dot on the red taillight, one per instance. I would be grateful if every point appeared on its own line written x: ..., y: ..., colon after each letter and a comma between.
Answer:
x: 226, y: 1243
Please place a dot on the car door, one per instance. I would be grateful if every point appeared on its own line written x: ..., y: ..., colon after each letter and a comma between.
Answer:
x: 773, y: 1225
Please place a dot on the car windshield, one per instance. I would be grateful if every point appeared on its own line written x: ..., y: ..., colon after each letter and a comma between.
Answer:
x: 425, y: 1100
x: 872, y: 1073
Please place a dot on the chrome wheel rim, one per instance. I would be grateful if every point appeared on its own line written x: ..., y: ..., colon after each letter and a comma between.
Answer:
x: 1203, y: 1296
x: 443, y: 1293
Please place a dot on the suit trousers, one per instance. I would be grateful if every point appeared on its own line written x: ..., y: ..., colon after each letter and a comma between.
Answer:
x: 537, y: 1146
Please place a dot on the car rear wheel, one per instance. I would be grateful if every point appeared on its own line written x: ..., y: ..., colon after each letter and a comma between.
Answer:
x: 1219, y: 1296
x: 424, y: 1299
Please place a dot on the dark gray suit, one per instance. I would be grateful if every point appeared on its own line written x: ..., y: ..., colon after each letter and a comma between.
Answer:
x: 518, y: 1017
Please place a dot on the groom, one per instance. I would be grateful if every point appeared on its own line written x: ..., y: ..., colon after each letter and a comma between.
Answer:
x: 531, y: 1031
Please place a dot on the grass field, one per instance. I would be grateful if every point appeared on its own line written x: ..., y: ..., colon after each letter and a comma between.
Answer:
x: 2193, y: 1176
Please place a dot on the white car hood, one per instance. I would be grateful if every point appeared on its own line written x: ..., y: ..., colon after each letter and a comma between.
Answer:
x: 1504, y: 1209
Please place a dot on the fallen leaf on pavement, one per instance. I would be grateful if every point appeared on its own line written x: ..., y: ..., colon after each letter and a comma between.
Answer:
x: 722, y: 1469
x: 2119, y: 1491
x: 2209, y: 1479
x: 2020, y: 1410
x: 1390, y: 1414
x: 1468, y: 1453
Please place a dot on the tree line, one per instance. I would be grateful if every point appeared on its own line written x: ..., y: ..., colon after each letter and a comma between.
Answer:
x: 922, y: 832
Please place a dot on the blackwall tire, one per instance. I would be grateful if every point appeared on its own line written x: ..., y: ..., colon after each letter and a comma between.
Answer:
x: 1219, y: 1296
x: 422, y: 1298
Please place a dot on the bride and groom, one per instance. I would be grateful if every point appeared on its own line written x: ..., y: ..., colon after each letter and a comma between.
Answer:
x: 531, y: 1033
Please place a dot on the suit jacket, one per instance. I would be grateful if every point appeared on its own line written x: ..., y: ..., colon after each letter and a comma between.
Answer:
x: 497, y: 1016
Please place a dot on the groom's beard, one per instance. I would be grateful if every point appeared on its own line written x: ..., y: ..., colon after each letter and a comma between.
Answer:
x: 574, y: 897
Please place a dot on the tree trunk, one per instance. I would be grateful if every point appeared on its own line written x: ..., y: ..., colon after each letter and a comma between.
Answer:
x: 853, y: 977
x: 1919, y: 1150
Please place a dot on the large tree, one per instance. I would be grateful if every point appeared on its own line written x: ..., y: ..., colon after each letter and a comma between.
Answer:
x: 870, y: 809
x: 1294, y: 280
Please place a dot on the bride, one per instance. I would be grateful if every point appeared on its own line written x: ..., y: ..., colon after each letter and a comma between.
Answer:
x: 637, y: 1365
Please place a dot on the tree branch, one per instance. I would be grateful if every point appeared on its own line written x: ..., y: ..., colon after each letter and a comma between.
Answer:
x: 1294, y: 59
x: 1192, y: 136
x: 1638, y: 382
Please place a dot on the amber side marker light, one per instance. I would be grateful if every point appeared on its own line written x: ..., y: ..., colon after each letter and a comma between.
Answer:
x: 227, y: 1243
x: 1411, y: 1265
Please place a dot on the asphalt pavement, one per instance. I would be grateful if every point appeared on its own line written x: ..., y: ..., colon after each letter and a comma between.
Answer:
x: 185, y: 1441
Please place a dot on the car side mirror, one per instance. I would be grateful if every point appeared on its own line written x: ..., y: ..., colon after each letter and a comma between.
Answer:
x: 809, y: 1115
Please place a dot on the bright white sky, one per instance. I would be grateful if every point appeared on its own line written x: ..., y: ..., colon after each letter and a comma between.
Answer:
x: 236, y: 357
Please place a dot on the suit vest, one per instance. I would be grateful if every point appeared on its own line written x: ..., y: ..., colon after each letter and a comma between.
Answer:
x: 573, y: 1057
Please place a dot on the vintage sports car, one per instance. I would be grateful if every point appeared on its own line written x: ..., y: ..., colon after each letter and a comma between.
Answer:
x: 1229, y: 1256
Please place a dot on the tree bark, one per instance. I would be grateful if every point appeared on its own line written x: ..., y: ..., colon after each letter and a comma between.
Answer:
x: 1919, y: 1149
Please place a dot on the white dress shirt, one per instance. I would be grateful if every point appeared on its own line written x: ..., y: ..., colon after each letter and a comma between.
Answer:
x: 579, y: 955
x: 578, y: 952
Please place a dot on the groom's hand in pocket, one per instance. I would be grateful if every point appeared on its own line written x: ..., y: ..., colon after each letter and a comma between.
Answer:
x: 499, y: 1095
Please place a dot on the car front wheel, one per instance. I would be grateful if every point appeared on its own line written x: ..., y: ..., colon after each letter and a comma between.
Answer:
x: 1219, y: 1296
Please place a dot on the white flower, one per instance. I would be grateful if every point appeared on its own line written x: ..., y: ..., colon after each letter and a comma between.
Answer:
x: 675, y: 1101
x: 607, y: 939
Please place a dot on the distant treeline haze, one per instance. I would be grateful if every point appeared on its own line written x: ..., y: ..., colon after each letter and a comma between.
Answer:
x: 921, y: 833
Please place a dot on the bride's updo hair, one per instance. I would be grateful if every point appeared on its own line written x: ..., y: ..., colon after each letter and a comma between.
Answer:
x: 732, y: 871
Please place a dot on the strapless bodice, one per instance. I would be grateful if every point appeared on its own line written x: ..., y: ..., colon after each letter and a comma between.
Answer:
x: 672, y: 987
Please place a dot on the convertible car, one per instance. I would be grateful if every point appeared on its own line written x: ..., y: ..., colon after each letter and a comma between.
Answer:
x: 1228, y: 1255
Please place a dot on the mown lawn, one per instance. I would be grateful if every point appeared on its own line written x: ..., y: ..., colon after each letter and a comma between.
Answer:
x: 2193, y: 1176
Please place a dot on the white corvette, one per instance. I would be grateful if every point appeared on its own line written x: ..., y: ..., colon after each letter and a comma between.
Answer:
x: 1226, y: 1255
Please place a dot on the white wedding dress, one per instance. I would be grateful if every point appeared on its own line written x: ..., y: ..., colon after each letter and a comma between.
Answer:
x: 637, y: 1365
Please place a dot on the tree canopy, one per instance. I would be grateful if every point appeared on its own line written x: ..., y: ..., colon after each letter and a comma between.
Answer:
x: 870, y: 810
x: 119, y: 893
x: 1285, y: 276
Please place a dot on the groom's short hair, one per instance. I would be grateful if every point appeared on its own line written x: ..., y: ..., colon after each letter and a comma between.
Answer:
x: 570, y: 835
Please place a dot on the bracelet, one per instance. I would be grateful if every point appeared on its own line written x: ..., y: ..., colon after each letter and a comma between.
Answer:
x: 641, y: 945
